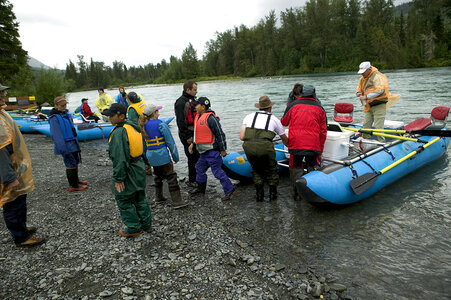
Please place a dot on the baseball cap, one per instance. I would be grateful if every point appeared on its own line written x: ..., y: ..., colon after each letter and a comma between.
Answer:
x: 115, y: 109
x: 133, y: 97
x: 204, y: 101
x: 364, y: 66
x: 150, y: 109
x: 83, y: 99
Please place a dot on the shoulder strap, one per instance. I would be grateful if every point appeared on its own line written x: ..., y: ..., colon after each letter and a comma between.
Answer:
x: 267, y: 120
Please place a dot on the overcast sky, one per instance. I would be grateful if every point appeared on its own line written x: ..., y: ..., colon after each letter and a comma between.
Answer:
x: 135, y: 32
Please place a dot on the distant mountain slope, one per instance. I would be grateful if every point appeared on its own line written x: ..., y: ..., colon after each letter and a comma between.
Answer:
x: 36, y: 64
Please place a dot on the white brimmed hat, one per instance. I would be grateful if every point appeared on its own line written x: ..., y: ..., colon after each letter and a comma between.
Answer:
x: 364, y: 66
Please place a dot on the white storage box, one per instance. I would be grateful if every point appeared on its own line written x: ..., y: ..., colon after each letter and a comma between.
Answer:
x: 337, y: 145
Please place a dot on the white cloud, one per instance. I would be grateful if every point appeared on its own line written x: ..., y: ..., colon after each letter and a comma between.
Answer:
x: 135, y: 32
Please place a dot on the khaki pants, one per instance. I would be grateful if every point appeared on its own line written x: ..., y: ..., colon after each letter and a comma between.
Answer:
x: 375, y: 116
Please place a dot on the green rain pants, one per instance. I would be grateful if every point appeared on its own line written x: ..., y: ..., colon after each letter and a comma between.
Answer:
x: 135, y: 211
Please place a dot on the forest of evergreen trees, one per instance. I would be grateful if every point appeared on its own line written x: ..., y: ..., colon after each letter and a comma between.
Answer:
x: 322, y: 36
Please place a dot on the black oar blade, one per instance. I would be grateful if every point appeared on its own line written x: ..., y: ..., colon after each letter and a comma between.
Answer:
x: 431, y: 132
x: 364, y: 182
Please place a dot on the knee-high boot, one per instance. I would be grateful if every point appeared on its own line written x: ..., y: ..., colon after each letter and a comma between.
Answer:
x: 259, y: 192
x: 72, y: 177
x: 295, y: 174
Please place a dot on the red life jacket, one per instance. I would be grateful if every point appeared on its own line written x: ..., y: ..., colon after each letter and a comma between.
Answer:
x: 203, y: 133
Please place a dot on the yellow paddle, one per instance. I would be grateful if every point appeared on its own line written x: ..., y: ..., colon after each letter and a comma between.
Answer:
x: 385, y: 135
x: 367, y: 180
x: 427, y: 132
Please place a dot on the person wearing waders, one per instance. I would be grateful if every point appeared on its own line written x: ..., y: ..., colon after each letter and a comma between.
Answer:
x: 258, y: 131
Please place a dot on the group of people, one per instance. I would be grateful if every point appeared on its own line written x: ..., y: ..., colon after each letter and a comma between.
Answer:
x: 141, y: 138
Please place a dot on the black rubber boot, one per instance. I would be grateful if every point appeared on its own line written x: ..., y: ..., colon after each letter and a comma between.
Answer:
x: 72, y: 177
x: 259, y: 193
x: 295, y: 174
x: 177, y: 201
x: 159, y: 193
x: 200, y: 189
x: 272, y: 192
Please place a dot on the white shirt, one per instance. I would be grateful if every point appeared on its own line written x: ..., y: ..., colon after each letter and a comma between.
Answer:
x: 260, y: 123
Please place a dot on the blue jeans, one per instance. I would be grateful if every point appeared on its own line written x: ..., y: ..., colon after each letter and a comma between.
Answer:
x: 71, y: 160
x: 212, y: 159
x: 15, y: 215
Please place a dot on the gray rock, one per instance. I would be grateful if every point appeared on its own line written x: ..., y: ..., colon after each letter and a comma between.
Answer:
x: 279, y: 267
x: 127, y: 290
x: 105, y: 293
x: 199, y: 267
x: 317, y: 290
x: 242, y: 244
x: 337, y: 287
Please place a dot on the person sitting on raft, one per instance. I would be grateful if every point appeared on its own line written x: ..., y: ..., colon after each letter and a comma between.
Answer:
x: 86, y: 111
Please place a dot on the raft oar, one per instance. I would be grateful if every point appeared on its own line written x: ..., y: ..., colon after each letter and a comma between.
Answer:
x: 427, y: 132
x: 385, y: 135
x: 367, y: 180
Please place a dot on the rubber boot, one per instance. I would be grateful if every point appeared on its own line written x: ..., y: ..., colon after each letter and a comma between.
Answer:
x: 159, y: 194
x: 272, y: 192
x: 259, y: 192
x: 72, y: 177
x: 295, y: 174
x: 80, y: 182
x: 200, y: 189
x: 177, y: 201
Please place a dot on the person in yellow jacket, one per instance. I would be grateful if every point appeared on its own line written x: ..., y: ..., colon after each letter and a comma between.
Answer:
x: 103, y: 101
x: 374, y: 96
x: 16, y: 179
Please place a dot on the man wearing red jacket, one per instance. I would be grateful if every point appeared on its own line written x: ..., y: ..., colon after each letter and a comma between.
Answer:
x: 86, y: 111
x: 307, y: 132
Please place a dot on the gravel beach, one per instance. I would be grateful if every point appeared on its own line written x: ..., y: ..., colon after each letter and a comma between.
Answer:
x: 209, y: 250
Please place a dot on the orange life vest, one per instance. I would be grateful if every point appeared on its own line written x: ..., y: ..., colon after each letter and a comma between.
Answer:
x: 203, y: 133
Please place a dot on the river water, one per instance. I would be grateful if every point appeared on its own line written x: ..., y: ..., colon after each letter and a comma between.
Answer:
x: 393, y: 245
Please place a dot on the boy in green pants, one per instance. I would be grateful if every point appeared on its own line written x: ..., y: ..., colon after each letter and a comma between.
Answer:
x: 129, y: 172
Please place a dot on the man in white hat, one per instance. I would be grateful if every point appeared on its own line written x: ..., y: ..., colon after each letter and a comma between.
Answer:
x: 373, y: 94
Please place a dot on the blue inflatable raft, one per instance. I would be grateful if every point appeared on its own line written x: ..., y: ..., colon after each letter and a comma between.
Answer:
x: 351, y: 172
x: 88, y: 131
x: 332, y: 183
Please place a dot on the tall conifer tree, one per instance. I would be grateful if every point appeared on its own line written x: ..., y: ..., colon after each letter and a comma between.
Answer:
x: 13, y: 57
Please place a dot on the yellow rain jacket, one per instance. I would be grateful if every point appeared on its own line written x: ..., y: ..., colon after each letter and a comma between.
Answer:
x: 103, y: 102
x: 376, y: 82
x: 20, y: 159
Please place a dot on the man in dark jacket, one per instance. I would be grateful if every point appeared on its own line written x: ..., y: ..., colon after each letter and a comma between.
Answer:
x: 307, y: 132
x: 185, y: 112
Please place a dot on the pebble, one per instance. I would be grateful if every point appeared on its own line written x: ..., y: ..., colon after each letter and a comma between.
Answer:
x: 337, y: 287
x: 105, y: 293
x: 242, y: 244
x: 199, y: 267
x: 127, y: 290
